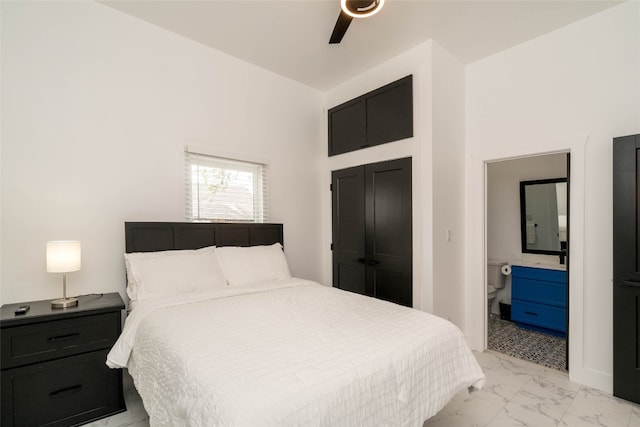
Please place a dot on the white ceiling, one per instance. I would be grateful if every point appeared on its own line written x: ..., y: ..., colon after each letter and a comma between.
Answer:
x: 291, y: 37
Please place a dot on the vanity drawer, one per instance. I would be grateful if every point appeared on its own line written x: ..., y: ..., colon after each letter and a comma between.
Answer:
x: 541, y: 274
x: 39, y: 342
x: 62, y: 392
x: 541, y: 292
x: 544, y: 316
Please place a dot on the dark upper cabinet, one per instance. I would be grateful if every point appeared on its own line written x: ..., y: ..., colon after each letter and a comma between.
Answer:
x: 390, y: 113
x: 377, y: 117
x: 347, y: 127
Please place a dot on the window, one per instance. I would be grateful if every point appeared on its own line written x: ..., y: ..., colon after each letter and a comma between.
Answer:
x: 220, y: 189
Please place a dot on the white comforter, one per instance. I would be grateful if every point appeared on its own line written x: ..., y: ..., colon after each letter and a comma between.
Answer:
x: 292, y: 353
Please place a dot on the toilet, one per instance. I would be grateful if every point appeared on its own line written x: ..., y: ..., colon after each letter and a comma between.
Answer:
x: 495, y: 280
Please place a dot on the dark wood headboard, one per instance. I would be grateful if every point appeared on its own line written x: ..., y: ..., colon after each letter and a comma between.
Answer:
x: 163, y: 236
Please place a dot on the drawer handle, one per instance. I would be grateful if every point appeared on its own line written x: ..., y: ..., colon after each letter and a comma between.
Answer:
x: 63, y: 337
x: 65, y: 391
x: 530, y: 313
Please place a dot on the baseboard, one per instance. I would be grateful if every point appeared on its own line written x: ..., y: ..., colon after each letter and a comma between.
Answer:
x: 592, y: 378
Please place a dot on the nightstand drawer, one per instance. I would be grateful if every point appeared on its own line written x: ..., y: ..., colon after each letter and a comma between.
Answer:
x: 62, y: 392
x: 38, y: 342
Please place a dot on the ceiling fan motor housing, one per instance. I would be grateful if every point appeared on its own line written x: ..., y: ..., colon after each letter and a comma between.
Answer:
x: 361, y: 8
x: 353, y: 9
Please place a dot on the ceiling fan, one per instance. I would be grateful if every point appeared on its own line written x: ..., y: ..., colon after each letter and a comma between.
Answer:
x: 353, y: 9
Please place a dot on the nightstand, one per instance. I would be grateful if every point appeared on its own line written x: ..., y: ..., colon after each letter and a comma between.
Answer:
x: 53, y: 362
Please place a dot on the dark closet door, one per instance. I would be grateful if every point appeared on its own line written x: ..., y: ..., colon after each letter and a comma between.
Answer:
x: 374, y: 256
x: 626, y: 268
x: 348, y: 229
x: 388, y: 230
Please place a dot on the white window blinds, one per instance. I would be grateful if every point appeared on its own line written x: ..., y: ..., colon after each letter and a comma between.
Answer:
x: 220, y: 189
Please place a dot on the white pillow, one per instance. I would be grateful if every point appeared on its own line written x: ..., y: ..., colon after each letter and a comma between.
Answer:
x: 154, y: 274
x: 244, y: 266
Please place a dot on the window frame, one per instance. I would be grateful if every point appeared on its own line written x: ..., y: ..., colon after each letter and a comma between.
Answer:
x: 257, y: 167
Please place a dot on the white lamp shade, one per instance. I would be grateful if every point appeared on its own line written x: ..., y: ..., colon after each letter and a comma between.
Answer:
x: 63, y: 256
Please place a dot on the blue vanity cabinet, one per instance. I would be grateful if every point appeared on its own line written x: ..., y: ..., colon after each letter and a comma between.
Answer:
x: 539, y: 299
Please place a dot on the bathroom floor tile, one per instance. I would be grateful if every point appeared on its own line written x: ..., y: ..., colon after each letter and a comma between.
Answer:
x: 507, y: 338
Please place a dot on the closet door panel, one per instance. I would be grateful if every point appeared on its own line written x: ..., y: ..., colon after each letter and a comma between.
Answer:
x: 348, y: 230
x: 387, y: 286
x: 388, y: 230
x: 386, y: 212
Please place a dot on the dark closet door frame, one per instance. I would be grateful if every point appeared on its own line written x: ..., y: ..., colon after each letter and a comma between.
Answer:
x: 568, y: 259
x: 380, y: 256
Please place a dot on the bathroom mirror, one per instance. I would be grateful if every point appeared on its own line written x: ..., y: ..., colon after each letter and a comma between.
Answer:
x: 543, y: 212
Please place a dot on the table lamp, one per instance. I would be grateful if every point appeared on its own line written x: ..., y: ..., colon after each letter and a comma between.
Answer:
x: 63, y: 256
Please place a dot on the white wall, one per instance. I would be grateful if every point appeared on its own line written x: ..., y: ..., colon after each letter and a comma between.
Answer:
x: 96, y: 107
x: 447, y: 158
x: 503, y: 209
x: 573, y: 89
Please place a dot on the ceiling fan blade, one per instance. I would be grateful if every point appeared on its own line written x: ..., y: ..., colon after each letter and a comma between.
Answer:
x: 341, y: 27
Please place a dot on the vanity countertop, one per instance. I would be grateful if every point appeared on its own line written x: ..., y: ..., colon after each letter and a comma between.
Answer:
x: 559, y: 267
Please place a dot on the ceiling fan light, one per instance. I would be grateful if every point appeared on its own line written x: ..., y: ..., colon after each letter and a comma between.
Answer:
x: 350, y: 8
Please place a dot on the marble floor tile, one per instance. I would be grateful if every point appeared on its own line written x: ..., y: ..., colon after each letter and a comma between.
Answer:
x: 513, y: 415
x: 468, y: 410
x: 507, y: 377
x: 487, y: 359
x: 540, y: 402
x: 517, y: 394
x: 634, y: 418
x: 547, y: 398
x: 558, y: 379
x: 593, y: 407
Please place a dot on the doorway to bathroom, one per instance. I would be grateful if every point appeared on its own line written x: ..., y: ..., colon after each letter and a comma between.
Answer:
x: 527, y: 235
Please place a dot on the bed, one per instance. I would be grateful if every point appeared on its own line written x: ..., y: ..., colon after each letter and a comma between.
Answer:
x: 253, y: 346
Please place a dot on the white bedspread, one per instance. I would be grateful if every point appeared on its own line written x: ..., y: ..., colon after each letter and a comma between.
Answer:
x: 292, y: 353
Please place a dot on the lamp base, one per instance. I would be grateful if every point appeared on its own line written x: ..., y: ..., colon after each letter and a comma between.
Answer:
x: 64, y: 303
